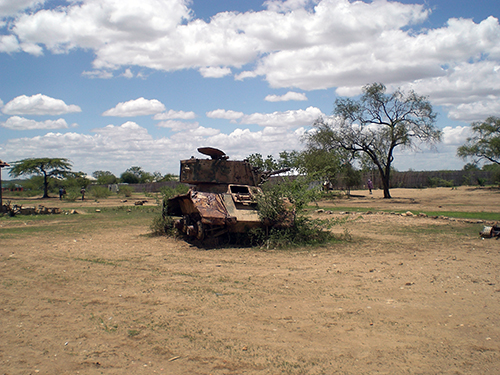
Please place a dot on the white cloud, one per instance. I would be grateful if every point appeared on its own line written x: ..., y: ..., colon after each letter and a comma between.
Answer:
x: 290, y: 95
x: 456, y: 136
x: 102, y: 74
x: 116, y: 148
x: 177, y: 126
x: 292, y: 118
x: 171, y: 114
x: 305, y: 44
x: 137, y: 107
x: 477, y: 111
x: 11, y: 7
x: 9, y: 44
x: 287, y: 5
x: 128, y: 74
x: 214, y: 72
x: 21, y: 123
x: 225, y: 114
x: 469, y: 91
x: 38, y: 105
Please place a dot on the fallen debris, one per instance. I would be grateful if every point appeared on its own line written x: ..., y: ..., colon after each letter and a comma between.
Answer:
x: 489, y: 232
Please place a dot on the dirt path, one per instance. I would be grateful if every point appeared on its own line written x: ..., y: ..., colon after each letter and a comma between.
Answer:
x: 406, y: 295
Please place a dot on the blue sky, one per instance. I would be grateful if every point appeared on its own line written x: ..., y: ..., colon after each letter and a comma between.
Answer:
x: 111, y: 84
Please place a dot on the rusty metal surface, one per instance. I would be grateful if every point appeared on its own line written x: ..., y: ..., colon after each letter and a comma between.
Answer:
x: 210, y: 207
x: 218, y: 171
x: 223, y: 198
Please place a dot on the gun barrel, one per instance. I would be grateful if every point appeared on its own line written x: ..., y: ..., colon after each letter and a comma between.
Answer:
x: 272, y: 173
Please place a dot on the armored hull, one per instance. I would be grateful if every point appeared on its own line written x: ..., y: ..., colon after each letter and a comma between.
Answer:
x: 221, y: 199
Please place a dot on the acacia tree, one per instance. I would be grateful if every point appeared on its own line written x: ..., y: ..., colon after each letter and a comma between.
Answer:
x: 484, y: 143
x: 46, y: 167
x: 376, y: 125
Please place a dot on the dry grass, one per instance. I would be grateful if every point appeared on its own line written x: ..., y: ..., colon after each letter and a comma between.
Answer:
x: 405, y: 295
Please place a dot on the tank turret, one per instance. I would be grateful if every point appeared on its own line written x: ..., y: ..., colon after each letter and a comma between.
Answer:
x: 218, y: 170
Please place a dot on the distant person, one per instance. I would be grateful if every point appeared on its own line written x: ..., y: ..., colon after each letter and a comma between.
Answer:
x: 62, y: 191
x: 82, y: 191
x: 370, y: 185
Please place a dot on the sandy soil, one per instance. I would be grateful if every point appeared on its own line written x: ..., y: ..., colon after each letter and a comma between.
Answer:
x: 407, y: 295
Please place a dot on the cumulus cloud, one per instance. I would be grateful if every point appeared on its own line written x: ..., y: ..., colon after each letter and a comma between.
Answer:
x: 290, y: 95
x: 171, y: 114
x: 21, y: 123
x: 137, y: 107
x: 214, y: 72
x: 292, y: 118
x: 117, y: 147
x: 225, y: 114
x: 38, y: 105
x: 177, y: 126
x: 307, y: 44
x: 456, y: 136
x: 102, y: 74
x: 12, y: 7
x: 9, y: 44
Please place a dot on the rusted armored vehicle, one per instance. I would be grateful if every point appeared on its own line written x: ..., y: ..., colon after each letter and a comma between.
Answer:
x: 221, y: 198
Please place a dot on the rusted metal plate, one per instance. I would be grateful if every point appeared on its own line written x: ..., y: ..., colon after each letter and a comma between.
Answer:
x: 219, y: 171
x: 210, y: 207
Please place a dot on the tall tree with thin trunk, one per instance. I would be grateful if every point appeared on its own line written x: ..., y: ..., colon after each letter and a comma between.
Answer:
x: 46, y: 167
x: 376, y: 125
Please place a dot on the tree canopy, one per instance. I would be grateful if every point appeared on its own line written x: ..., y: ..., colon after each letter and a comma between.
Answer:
x: 46, y: 167
x: 375, y: 125
x: 105, y: 177
x: 484, y: 144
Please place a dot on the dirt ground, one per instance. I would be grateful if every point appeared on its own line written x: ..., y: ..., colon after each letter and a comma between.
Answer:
x: 406, y: 295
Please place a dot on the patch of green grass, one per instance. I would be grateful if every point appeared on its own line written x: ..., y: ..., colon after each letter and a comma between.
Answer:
x: 70, y: 225
x: 454, y: 214
x: 466, y: 215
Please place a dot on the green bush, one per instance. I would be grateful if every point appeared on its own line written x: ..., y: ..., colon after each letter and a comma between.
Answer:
x: 276, y: 204
x: 496, y: 177
x: 439, y: 182
x: 162, y: 225
x: 168, y: 192
x: 99, y: 192
x: 72, y: 194
x: 125, y: 191
x: 303, y: 232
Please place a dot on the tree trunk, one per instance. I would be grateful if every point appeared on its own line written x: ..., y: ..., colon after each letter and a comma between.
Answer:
x: 45, y: 186
x: 385, y: 178
x: 387, y: 194
x: 385, y: 183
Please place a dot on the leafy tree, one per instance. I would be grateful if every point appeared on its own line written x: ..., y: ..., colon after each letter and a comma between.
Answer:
x: 105, y: 177
x: 376, y: 125
x: 470, y: 167
x: 129, y: 178
x: 319, y: 163
x: 136, y: 175
x: 170, y: 177
x: 46, y: 167
x: 352, y: 176
x: 268, y: 164
x: 484, y: 143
